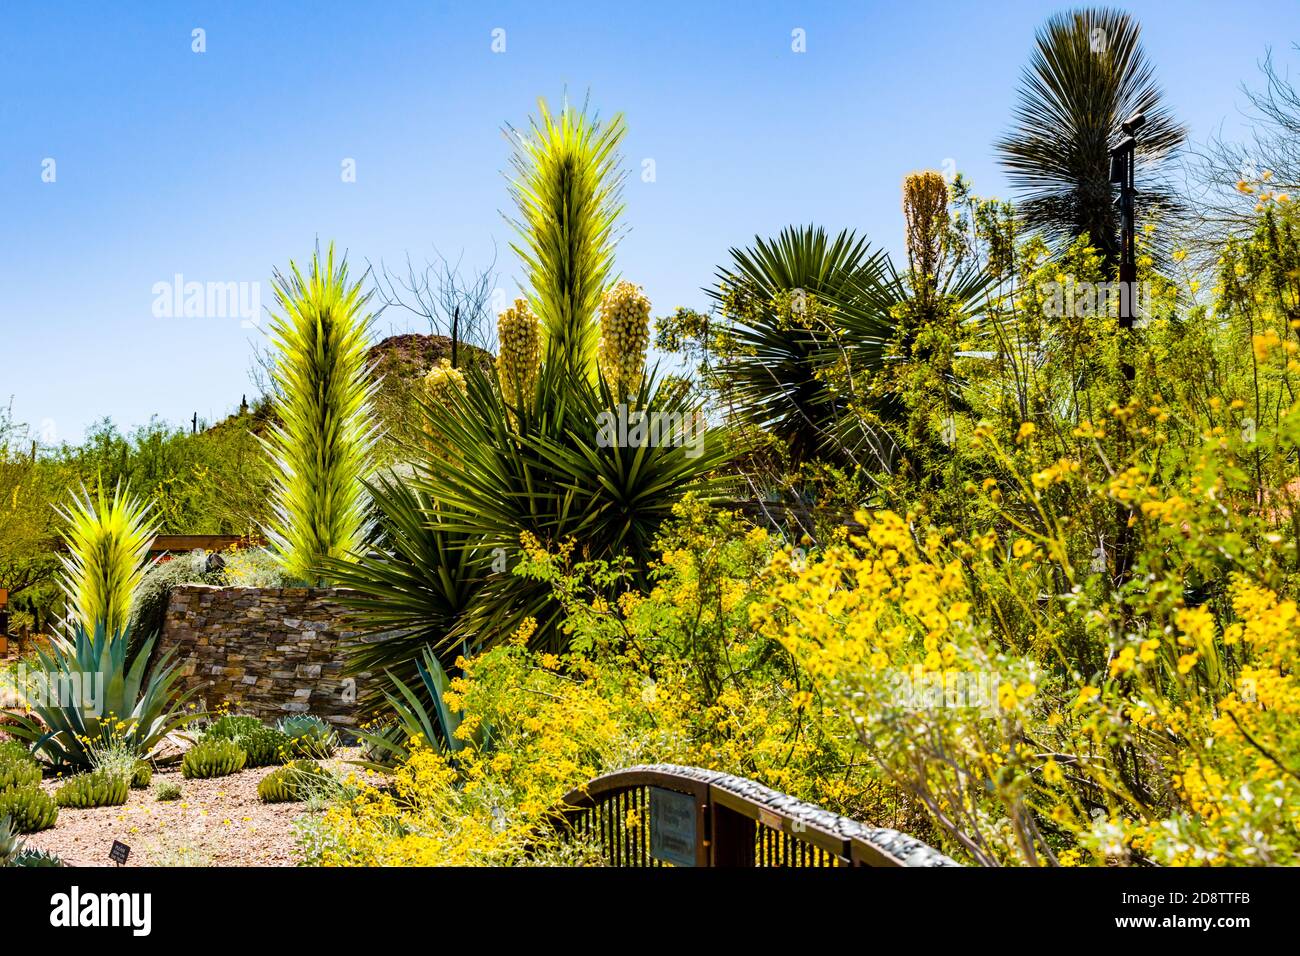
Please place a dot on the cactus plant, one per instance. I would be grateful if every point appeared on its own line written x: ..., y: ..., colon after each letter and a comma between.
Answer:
x: 14, y: 853
x: 263, y: 745
x: 624, y: 337
x: 309, y: 736
x: 30, y: 808
x: 95, y: 789
x: 291, y: 783
x: 213, y: 757
x: 16, y: 773
x: 142, y: 775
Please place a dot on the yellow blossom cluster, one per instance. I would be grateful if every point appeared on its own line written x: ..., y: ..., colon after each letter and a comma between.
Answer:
x: 624, y: 337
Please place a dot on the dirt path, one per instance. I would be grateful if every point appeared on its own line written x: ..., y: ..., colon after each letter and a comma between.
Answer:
x: 215, y: 823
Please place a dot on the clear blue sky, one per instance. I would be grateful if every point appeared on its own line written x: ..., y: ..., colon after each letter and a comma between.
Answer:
x: 223, y: 165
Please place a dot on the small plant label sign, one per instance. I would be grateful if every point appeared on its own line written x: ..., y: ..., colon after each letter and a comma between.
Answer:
x: 119, y: 852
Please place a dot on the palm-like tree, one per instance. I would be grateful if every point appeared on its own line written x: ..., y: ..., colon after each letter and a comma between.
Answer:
x: 1088, y: 73
x: 775, y: 367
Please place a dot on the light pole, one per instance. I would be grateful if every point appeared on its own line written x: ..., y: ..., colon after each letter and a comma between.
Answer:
x: 1121, y: 174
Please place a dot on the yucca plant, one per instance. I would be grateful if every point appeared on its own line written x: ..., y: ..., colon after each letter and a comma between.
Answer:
x: 410, y: 588
x: 92, y: 697
x: 321, y: 444
x: 795, y: 306
x: 108, y: 547
x: 566, y: 187
x: 1087, y: 75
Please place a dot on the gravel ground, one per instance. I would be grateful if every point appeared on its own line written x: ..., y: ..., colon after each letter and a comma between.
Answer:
x: 217, y: 822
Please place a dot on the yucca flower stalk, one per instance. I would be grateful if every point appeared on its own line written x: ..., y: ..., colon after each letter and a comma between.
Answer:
x: 925, y: 215
x: 321, y: 445
x: 108, y: 548
x: 567, y: 188
x: 519, y: 354
x: 624, y: 338
x: 439, y: 384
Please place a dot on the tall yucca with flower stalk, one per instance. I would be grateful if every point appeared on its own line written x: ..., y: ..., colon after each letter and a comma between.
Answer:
x: 322, y: 444
x: 624, y: 338
x: 567, y: 188
x: 108, y: 545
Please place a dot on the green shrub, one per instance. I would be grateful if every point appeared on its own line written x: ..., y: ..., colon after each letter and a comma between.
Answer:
x: 167, y: 790
x: 309, y: 736
x: 18, y: 773
x: 99, y: 788
x: 213, y: 758
x: 16, y: 750
x: 30, y: 808
x: 293, y: 782
x: 263, y: 745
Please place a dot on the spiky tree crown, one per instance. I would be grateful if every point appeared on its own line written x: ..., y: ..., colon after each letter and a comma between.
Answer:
x: 321, y: 446
x: 1087, y: 74
x: 567, y: 187
x: 108, y: 544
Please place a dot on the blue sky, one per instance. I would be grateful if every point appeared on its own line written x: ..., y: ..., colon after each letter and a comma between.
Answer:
x: 220, y: 166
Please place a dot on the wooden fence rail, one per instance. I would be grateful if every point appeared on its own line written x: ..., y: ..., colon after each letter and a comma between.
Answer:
x: 663, y: 814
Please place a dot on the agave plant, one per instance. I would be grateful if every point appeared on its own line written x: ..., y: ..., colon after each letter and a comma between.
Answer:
x: 108, y: 546
x: 322, y: 443
x: 1086, y: 76
x: 86, y: 696
x: 421, y: 715
x: 567, y: 188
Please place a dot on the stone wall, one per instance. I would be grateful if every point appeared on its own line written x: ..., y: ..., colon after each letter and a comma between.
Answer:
x: 269, y: 652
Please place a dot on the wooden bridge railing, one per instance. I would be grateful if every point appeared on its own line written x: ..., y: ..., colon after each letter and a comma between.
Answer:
x: 661, y: 814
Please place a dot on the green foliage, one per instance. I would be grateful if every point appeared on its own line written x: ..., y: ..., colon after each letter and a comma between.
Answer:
x: 142, y: 775
x: 30, y: 808
x: 432, y: 725
x: 108, y: 543
x: 13, y: 852
x: 98, y: 788
x: 566, y: 186
x: 1087, y: 75
x: 292, y: 783
x: 167, y: 790
x: 308, y: 736
x: 263, y: 745
x: 149, y: 608
x: 802, y: 316
x: 101, y: 699
x: 212, y: 758
x: 411, y: 588
x: 18, y: 772
x: 321, y: 444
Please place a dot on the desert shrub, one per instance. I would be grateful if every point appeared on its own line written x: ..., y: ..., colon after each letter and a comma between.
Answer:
x: 30, y: 809
x: 149, y: 608
x: 293, y: 782
x: 167, y: 790
x: 212, y: 758
x: 98, y: 788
